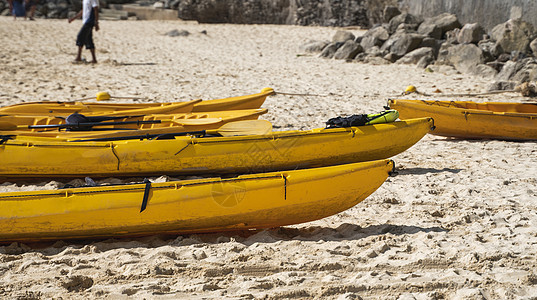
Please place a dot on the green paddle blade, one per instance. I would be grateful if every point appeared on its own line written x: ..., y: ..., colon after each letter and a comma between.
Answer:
x: 386, y: 116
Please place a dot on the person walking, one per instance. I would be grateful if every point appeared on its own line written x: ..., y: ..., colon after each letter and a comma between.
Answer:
x: 90, y: 19
x: 16, y: 7
x: 30, y: 6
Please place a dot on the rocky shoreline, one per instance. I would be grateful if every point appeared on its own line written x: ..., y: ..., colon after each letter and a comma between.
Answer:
x: 506, y: 54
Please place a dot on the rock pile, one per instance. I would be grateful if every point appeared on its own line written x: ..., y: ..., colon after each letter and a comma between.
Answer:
x: 507, y: 53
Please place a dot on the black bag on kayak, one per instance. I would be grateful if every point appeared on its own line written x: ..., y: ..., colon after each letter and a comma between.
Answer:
x: 354, y: 120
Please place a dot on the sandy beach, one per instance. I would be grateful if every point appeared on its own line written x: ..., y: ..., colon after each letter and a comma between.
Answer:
x: 457, y: 222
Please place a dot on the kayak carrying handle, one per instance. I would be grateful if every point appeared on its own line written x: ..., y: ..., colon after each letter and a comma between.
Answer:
x: 146, y: 194
x: 5, y: 138
x: 393, y: 172
x: 284, y: 177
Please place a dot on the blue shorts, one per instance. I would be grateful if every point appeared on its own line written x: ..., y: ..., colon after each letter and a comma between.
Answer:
x: 85, y: 36
x: 18, y: 9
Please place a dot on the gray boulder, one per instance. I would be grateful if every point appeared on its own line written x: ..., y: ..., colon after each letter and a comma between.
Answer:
x: 452, y: 36
x: 413, y: 57
x: 425, y: 61
x: 507, y: 72
x: 496, y: 65
x: 349, y: 50
x: 379, y: 32
x: 330, y: 50
x: 390, y: 12
x: 490, y: 49
x: 360, y: 57
x: 370, y: 41
x: 402, y: 43
x: 391, y: 57
x: 375, y: 60
x: 445, y: 22
x: 465, y: 57
x: 374, y: 37
x: 175, y: 32
x: 343, y: 36
x: 404, y: 18
x: 527, y: 70
x: 375, y: 51
x: 471, y: 33
x: 55, y: 9
x: 524, y: 70
x: 533, y: 47
x: 514, y: 35
x: 408, y: 28
x: 501, y: 86
x: 431, y: 43
x: 313, y: 46
x: 430, y: 30
x: 482, y: 70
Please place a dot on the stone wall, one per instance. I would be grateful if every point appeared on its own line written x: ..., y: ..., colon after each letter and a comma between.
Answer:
x: 365, y: 13
x: 488, y: 13
x: 293, y: 12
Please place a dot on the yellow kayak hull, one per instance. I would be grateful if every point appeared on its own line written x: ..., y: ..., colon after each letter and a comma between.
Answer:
x: 169, y: 124
x: 50, y: 108
x: 465, y: 119
x: 45, y: 157
x: 202, y: 205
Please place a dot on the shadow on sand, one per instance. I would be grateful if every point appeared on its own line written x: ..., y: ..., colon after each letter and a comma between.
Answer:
x: 422, y: 171
x: 344, y: 232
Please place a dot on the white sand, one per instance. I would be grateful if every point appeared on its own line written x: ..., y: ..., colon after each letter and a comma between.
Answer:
x: 458, y: 222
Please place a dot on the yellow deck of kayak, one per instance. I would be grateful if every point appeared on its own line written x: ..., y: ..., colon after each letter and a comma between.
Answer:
x: 465, y: 119
x: 170, y: 123
x: 201, y: 205
x: 38, y: 157
x: 50, y: 108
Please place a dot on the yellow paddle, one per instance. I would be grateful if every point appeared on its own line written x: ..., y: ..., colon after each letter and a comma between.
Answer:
x: 246, y: 127
x: 8, y: 126
x: 86, y: 126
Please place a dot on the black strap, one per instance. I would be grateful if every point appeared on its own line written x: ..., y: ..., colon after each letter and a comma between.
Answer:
x: 5, y: 138
x: 85, y: 125
x: 146, y: 194
x: 160, y: 136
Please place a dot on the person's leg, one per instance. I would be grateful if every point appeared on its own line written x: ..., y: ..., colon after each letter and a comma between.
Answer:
x: 81, y: 40
x: 18, y: 9
x: 94, y: 61
x: 91, y: 46
x: 79, y: 54
x: 32, y: 11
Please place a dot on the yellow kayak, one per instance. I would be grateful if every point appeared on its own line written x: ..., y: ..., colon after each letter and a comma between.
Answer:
x: 202, y: 205
x: 45, y: 126
x: 280, y: 150
x: 466, y: 119
x: 52, y: 108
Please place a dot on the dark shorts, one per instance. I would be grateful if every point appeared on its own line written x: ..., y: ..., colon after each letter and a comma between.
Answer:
x: 18, y: 9
x: 85, y: 36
